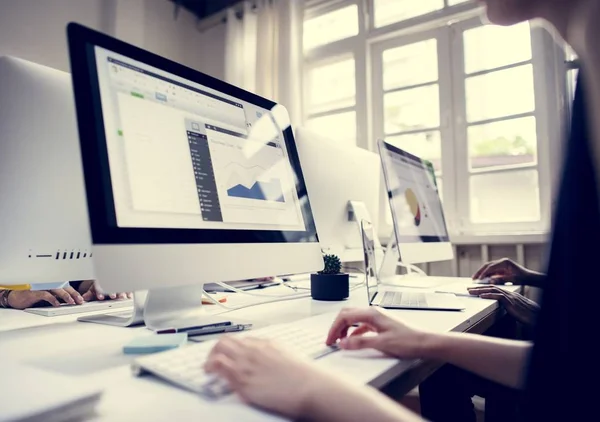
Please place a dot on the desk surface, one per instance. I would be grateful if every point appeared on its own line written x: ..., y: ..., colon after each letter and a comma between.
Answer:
x: 91, y: 353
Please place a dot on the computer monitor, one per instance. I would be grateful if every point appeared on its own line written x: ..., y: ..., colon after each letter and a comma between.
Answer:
x: 188, y: 179
x: 335, y: 175
x: 417, y: 212
x: 44, y: 235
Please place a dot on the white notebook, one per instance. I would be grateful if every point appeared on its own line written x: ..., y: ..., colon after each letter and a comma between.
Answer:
x: 31, y: 395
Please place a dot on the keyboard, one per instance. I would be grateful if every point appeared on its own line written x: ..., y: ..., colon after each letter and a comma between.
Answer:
x: 184, y: 367
x: 404, y: 299
x: 67, y: 309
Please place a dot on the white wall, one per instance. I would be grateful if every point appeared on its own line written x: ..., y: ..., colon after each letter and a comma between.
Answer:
x: 35, y: 30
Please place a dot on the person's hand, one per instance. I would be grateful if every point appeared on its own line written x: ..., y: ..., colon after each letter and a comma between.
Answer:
x: 504, y: 271
x: 21, y: 299
x: 518, y: 306
x: 392, y: 337
x: 263, y: 375
x: 91, y: 291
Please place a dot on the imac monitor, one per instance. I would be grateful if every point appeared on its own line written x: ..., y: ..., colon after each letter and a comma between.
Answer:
x: 335, y: 175
x: 417, y: 212
x: 44, y: 230
x: 188, y: 179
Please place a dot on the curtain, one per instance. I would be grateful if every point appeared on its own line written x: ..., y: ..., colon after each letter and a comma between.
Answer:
x: 263, y: 52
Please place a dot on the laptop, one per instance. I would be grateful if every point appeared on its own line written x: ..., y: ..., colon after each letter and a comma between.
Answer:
x: 399, y: 299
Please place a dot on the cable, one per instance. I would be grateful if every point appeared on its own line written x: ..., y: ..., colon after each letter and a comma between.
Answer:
x: 249, y: 293
x: 249, y: 305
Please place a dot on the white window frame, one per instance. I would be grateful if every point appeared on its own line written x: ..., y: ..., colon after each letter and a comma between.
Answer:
x: 465, y: 226
x: 551, y: 101
x: 338, y: 51
x: 445, y: 101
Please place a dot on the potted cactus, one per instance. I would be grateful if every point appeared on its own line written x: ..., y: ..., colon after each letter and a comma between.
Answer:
x: 330, y: 283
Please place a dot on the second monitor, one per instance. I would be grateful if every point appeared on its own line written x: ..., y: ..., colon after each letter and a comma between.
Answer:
x: 335, y: 175
x: 417, y: 212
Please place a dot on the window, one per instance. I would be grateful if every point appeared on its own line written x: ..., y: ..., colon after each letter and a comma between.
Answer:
x: 330, y: 27
x: 411, y: 101
x: 431, y: 78
x: 331, y: 98
x: 501, y: 126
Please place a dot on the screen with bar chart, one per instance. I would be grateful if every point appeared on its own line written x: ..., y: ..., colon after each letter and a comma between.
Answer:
x: 187, y: 156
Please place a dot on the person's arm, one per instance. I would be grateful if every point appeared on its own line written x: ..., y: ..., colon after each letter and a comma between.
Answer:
x: 339, y: 401
x: 499, y: 360
x: 281, y: 382
x: 534, y: 279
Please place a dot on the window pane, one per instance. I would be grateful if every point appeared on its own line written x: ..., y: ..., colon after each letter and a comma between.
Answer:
x: 331, y: 86
x: 390, y: 11
x: 426, y: 145
x: 438, y: 182
x: 499, y: 94
x: 330, y: 27
x: 410, y: 65
x: 412, y: 109
x: 508, y: 197
x: 490, y: 46
x: 506, y: 143
x: 453, y: 2
x: 339, y: 127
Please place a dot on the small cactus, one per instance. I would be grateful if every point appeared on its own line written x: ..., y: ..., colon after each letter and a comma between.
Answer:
x: 333, y: 265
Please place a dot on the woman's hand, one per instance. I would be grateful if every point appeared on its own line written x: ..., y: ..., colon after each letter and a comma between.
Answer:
x: 91, y: 291
x: 518, y: 306
x: 506, y: 270
x: 392, y: 337
x: 265, y: 376
x: 276, y: 380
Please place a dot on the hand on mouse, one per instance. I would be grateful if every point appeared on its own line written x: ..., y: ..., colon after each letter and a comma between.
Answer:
x: 518, y: 306
x: 504, y: 271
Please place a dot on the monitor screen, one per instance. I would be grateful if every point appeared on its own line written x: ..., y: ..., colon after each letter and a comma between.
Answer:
x: 414, y: 199
x: 184, y: 155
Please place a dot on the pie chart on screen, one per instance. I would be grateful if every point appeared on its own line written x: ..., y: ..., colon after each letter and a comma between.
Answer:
x: 413, y: 204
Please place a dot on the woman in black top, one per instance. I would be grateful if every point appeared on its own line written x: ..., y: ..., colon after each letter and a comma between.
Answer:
x: 558, y: 371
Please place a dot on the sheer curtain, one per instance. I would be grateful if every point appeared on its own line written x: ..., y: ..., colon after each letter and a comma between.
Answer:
x: 263, y: 51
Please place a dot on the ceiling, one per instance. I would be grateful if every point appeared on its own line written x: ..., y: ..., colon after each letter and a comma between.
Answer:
x: 205, y: 8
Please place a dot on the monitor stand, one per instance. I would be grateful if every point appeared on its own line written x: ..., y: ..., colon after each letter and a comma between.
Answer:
x: 159, y: 309
x: 414, y: 277
x: 128, y: 318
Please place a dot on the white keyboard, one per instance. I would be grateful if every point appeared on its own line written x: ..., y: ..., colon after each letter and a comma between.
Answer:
x: 66, y: 309
x: 184, y: 367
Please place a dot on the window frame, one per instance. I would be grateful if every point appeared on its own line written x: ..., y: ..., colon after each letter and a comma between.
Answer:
x: 446, y: 25
x: 462, y: 197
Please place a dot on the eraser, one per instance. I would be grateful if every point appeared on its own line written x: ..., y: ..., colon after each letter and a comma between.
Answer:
x: 155, y: 343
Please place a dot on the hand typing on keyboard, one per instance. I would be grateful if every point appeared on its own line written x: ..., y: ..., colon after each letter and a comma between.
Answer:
x: 91, y: 291
x: 22, y: 299
x: 264, y: 374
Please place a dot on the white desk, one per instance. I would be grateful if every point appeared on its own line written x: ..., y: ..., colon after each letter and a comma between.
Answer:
x: 91, y: 353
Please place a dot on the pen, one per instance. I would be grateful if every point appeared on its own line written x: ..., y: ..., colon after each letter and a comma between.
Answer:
x: 193, y: 328
x: 219, y: 330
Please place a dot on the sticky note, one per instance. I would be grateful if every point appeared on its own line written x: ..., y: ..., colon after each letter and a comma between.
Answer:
x: 154, y: 343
